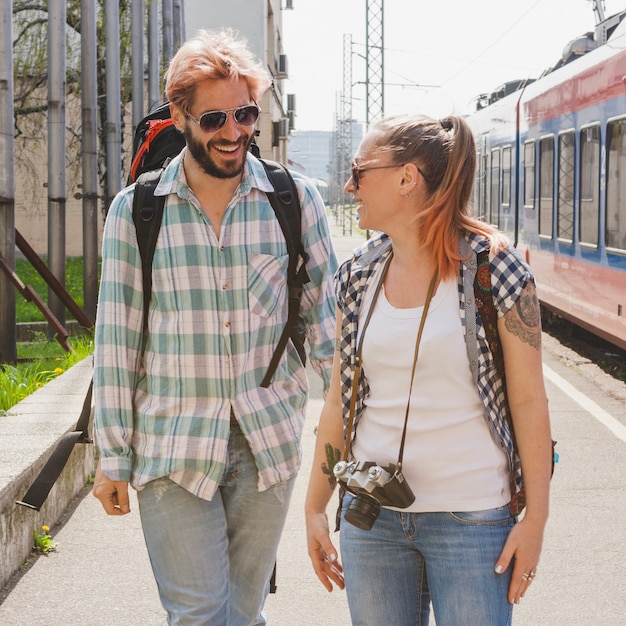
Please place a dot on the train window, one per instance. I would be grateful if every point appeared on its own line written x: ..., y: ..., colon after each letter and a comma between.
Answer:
x: 495, y: 187
x: 616, y: 185
x: 483, y: 186
x: 506, y: 177
x: 589, y: 184
x: 529, y: 175
x: 546, y: 185
x: 565, y: 207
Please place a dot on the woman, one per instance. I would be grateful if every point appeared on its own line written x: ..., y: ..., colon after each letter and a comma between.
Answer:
x: 429, y: 401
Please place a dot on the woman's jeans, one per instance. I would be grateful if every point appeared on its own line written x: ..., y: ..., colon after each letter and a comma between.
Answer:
x: 213, y: 560
x: 407, y: 560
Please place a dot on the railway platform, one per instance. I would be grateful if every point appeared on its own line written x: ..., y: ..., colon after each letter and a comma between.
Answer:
x: 100, y: 574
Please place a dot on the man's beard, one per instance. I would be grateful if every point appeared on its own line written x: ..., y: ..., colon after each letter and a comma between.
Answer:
x: 201, y: 154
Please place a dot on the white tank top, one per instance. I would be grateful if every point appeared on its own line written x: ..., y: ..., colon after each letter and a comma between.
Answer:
x: 450, y: 461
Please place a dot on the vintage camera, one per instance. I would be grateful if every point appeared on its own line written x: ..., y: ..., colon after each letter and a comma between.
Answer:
x: 374, y: 486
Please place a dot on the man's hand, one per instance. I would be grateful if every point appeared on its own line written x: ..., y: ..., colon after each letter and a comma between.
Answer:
x: 113, y: 494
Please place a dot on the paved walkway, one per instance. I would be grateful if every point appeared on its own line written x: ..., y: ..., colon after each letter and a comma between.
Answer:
x: 100, y: 575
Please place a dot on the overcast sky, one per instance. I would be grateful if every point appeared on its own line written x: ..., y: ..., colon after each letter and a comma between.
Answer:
x: 438, y: 54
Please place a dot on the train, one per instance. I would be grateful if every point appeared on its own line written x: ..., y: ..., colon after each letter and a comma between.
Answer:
x: 551, y: 174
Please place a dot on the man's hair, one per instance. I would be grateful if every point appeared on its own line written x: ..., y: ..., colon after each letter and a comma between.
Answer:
x: 212, y: 55
x: 445, y: 152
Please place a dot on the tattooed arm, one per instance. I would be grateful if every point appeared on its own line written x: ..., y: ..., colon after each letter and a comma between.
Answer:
x: 322, y: 482
x: 520, y: 335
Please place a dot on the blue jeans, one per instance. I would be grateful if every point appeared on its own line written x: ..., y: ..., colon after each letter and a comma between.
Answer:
x: 212, y: 560
x: 407, y: 560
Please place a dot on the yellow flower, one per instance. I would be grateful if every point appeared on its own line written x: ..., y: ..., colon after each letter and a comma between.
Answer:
x: 58, y: 370
x: 45, y: 528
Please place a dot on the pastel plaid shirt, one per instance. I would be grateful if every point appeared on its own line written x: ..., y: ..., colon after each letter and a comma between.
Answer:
x: 217, y: 311
x: 509, y: 277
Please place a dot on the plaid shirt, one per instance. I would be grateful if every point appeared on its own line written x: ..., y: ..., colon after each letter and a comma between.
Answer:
x: 217, y: 311
x: 509, y: 277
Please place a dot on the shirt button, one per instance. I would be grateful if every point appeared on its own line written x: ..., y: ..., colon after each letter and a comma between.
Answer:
x: 224, y: 286
x: 226, y: 324
x: 234, y: 474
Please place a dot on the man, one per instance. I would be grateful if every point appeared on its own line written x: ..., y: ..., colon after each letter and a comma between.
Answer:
x: 180, y: 414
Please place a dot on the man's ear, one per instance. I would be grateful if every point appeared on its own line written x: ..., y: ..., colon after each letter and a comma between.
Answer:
x: 178, y: 117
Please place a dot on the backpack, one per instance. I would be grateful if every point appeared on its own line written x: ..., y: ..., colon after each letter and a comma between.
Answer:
x: 156, y: 141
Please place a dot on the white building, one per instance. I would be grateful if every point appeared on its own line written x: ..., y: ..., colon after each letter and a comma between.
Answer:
x: 260, y: 23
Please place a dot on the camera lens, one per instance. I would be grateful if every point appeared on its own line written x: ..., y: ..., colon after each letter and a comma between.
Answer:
x: 363, y: 511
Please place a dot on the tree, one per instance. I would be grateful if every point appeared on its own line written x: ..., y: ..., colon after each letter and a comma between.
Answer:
x: 30, y: 24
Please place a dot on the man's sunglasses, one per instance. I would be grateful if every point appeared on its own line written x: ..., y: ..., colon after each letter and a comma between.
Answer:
x: 212, y: 121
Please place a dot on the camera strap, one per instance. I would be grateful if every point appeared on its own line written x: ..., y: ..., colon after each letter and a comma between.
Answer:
x: 358, y: 364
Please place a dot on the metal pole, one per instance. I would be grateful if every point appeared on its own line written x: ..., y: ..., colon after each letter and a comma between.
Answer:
x: 179, y: 23
x: 113, y: 122
x: 154, y: 67
x: 137, y: 61
x: 56, y: 153
x: 375, y: 65
x: 8, y: 328
x: 89, y: 88
x: 168, y: 32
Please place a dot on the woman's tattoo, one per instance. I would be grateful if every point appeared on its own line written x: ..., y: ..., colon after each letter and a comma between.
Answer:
x: 527, y: 323
x: 333, y: 456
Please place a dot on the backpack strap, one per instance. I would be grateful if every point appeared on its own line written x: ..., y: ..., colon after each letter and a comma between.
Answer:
x: 147, y: 217
x: 489, y: 316
x: 286, y: 204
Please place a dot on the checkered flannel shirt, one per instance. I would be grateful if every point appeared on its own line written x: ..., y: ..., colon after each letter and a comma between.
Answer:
x: 217, y: 311
x: 509, y: 277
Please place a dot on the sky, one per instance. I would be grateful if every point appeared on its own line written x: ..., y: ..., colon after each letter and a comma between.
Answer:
x: 438, y: 56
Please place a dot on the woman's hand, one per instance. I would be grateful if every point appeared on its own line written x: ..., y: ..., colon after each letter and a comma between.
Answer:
x: 322, y: 552
x: 522, y: 548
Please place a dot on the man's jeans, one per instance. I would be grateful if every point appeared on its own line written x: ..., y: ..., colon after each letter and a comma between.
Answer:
x: 406, y: 560
x: 213, y: 560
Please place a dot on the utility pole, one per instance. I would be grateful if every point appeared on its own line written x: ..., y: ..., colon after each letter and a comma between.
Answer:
x: 56, y: 153
x: 346, y: 134
x: 8, y: 330
x: 375, y: 66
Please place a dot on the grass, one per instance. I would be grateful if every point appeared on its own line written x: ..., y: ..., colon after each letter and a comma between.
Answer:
x: 27, y: 311
x: 41, y: 360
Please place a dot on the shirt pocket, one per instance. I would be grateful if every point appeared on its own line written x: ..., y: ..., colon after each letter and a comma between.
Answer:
x: 267, y: 284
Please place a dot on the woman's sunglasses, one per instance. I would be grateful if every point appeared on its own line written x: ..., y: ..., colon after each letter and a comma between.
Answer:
x: 357, y: 171
x: 212, y: 121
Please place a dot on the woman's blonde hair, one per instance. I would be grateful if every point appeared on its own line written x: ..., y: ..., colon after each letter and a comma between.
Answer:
x: 444, y: 150
x: 212, y: 55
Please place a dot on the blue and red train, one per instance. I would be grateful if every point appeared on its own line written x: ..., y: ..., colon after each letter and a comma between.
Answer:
x: 551, y: 173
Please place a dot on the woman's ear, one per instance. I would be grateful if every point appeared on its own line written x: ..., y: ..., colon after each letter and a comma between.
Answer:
x: 409, y: 179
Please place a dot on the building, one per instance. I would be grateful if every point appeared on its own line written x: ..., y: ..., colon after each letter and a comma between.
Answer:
x: 260, y: 23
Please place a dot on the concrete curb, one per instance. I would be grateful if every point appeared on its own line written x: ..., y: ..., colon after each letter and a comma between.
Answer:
x: 29, y: 433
